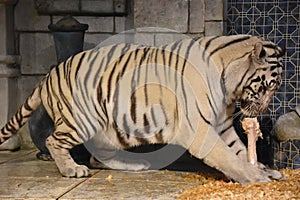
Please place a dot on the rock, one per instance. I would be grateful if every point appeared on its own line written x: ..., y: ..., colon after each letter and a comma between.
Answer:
x: 287, y: 127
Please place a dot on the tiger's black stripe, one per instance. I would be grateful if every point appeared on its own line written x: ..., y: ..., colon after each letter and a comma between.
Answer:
x: 211, y: 106
x: 202, y: 116
x: 182, y: 82
x: 226, y: 129
x: 77, y: 67
x: 225, y: 45
x: 61, y: 92
x: 206, y: 46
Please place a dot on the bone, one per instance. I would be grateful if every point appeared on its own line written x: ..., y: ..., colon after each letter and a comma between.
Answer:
x: 252, y: 129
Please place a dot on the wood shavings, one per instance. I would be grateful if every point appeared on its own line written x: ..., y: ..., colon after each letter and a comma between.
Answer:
x: 220, y: 189
x: 252, y: 129
x: 109, y: 178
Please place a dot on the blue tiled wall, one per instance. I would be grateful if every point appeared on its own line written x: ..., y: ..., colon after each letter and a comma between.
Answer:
x: 277, y: 21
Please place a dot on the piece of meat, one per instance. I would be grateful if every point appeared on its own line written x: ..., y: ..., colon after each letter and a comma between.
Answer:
x: 251, y: 127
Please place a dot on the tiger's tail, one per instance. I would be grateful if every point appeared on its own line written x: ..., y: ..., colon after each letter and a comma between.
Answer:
x: 22, y: 115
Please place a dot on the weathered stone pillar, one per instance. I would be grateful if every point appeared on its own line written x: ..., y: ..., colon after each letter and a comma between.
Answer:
x: 9, y: 69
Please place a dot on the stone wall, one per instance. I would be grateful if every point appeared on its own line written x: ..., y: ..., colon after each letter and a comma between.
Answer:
x: 194, y: 17
x: 34, y: 42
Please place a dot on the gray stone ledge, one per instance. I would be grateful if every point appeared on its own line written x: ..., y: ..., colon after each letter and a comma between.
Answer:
x: 10, y: 59
x: 82, y: 7
x: 6, y: 72
x: 9, y: 66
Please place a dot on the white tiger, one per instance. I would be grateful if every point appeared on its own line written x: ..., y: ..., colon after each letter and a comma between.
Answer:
x: 184, y: 93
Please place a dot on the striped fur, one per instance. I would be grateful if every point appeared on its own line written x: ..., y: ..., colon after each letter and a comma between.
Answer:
x: 183, y: 93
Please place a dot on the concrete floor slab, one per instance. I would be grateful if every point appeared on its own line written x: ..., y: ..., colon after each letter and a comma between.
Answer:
x: 24, y: 177
x: 109, y: 184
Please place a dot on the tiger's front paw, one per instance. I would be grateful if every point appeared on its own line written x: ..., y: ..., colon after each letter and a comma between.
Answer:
x: 256, y: 175
x: 76, y: 171
x: 274, y: 174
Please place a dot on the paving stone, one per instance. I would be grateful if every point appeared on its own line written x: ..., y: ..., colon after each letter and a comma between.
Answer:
x: 33, y: 188
x: 109, y: 184
x: 24, y: 177
x: 6, y: 156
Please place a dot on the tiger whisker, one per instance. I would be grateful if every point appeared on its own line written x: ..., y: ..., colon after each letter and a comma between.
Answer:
x: 237, y: 114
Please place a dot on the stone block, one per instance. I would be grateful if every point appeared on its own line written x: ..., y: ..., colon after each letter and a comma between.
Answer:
x: 120, y: 24
x: 213, y: 10
x: 8, y: 106
x: 7, y: 40
x: 167, y: 38
x: 214, y: 28
x: 197, y: 12
x: 141, y: 38
x: 38, y: 53
x: 93, y: 40
x: 26, y: 84
x: 27, y: 18
x: 8, y: 103
x: 162, y: 13
x: 2, y: 29
x: 104, y: 6
x: 57, y: 6
x: 98, y: 24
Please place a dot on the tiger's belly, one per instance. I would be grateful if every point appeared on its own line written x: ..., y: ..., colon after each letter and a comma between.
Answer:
x: 152, y: 114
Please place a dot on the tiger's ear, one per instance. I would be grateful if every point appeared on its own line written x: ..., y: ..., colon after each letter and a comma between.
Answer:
x: 259, y: 51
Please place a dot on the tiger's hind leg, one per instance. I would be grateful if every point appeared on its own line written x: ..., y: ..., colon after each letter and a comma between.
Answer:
x: 59, y: 144
x: 108, y: 157
x: 120, y: 163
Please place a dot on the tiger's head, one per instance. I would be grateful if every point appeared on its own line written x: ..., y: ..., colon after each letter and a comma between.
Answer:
x: 266, y: 61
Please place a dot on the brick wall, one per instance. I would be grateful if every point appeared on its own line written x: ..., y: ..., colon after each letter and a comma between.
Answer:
x: 34, y: 42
